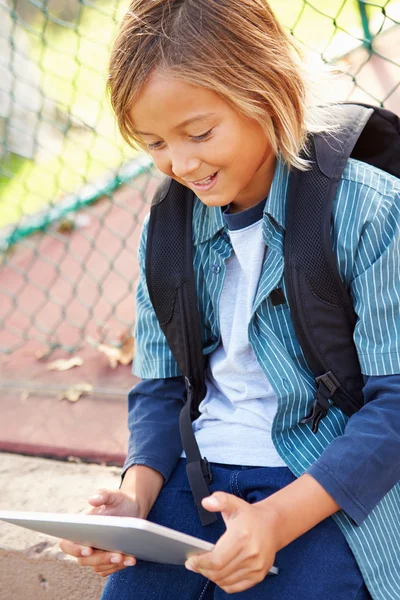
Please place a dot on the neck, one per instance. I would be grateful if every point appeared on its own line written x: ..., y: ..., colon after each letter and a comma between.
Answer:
x: 259, y: 187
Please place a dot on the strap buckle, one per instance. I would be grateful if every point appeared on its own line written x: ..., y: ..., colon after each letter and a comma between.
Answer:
x: 188, y: 384
x: 327, y: 385
x: 199, y: 487
x: 205, y: 467
x: 330, y: 381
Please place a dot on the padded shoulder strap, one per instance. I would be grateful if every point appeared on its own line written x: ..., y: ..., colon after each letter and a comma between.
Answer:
x: 321, y: 308
x: 170, y: 277
x: 172, y: 290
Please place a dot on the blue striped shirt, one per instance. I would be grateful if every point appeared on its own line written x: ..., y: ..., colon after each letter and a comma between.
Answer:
x: 365, y: 231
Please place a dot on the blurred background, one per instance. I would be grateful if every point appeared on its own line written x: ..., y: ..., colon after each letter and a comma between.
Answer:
x: 73, y: 197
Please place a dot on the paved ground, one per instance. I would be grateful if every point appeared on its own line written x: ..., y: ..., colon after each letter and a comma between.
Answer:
x: 93, y: 429
x: 32, y: 567
x: 100, y: 262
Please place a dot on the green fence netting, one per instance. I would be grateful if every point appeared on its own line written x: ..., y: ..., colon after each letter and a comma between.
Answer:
x: 73, y: 195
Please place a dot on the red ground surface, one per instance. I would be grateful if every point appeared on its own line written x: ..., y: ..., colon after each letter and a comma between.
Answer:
x: 61, y: 288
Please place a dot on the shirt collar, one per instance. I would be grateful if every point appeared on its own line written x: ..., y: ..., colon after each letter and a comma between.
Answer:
x: 244, y: 218
x: 208, y: 221
x: 275, y: 205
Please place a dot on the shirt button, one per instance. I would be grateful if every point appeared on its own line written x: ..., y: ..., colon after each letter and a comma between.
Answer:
x: 285, y: 384
x: 215, y: 268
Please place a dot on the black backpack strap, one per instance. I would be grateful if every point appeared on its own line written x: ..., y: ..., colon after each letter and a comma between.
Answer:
x: 172, y: 290
x: 321, y: 308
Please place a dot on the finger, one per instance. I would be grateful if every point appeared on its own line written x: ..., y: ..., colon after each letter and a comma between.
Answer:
x: 241, y: 575
x: 229, y: 571
x: 224, y: 554
x: 129, y: 561
x: 103, y: 509
x: 110, y: 571
x: 227, y: 504
x: 101, y: 558
x: 100, y: 497
x: 75, y: 550
x: 239, y: 587
x: 106, y: 568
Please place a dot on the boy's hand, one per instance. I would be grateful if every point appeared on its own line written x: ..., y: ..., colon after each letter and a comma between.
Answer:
x: 254, y: 533
x: 245, y: 553
x: 111, y: 503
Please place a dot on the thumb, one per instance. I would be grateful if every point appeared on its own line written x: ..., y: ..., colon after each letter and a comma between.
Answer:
x: 227, y: 504
x: 101, y: 497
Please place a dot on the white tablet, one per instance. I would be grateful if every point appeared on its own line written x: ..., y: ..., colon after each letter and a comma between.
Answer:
x: 134, y: 537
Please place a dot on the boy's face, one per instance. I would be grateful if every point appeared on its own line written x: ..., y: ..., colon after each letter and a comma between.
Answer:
x: 197, y: 138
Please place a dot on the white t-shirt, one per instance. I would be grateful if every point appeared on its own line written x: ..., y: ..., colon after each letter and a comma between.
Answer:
x: 239, y: 407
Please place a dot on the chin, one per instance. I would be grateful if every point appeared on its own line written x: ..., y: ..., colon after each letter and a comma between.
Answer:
x: 213, y: 201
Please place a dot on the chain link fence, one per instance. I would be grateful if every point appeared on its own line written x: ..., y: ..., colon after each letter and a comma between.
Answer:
x: 73, y: 195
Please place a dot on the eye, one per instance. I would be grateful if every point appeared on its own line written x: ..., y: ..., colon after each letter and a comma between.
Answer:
x: 154, y: 146
x: 203, y: 137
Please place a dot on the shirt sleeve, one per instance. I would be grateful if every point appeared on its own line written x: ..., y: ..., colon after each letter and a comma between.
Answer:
x: 153, y: 358
x: 361, y: 466
x: 153, y: 421
x: 375, y: 288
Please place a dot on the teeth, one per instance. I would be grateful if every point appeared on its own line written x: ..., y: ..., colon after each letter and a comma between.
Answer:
x: 207, y: 180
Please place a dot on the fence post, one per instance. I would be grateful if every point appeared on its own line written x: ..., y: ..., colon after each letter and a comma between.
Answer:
x: 365, y: 23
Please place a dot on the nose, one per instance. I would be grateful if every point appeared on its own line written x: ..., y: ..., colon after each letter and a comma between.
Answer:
x: 183, y: 164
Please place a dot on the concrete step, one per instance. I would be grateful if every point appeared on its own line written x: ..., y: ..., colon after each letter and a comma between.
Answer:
x: 32, y: 567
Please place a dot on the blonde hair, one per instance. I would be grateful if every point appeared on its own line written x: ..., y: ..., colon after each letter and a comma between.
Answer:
x: 236, y: 48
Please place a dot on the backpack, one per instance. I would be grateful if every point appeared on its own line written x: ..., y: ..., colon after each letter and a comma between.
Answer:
x: 320, y: 306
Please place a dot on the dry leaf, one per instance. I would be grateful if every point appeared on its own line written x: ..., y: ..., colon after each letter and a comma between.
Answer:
x: 122, y: 354
x: 112, y: 354
x: 75, y: 459
x: 65, y: 364
x: 127, y: 350
x: 44, y: 353
x: 41, y: 354
x: 73, y: 393
x: 115, y: 355
x: 124, y: 335
x: 66, y: 226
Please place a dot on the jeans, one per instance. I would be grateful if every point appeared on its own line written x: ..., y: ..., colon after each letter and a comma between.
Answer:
x: 318, y: 565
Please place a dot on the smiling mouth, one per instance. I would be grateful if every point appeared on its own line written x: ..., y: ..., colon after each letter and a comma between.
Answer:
x: 204, y: 181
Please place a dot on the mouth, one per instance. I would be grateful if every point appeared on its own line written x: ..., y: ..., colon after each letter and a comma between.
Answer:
x: 206, y: 183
